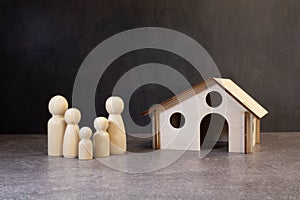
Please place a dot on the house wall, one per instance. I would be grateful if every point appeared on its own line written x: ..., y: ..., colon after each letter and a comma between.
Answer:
x: 194, y: 110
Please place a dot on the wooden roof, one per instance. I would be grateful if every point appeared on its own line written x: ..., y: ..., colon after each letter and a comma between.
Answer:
x: 234, y: 90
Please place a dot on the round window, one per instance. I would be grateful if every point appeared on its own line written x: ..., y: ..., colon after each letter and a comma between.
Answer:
x: 214, y: 99
x: 177, y: 120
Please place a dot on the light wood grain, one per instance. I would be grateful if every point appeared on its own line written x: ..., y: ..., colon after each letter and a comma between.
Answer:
x: 234, y: 90
x: 242, y: 97
x: 248, y: 133
x: 257, y: 136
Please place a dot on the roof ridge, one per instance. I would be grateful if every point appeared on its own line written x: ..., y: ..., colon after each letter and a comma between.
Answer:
x: 227, y: 84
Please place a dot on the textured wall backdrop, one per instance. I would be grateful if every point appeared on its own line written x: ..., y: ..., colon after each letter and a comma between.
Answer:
x: 43, y: 43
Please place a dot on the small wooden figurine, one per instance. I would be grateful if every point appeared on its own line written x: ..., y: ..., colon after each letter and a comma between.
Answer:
x: 85, y: 144
x: 101, y: 138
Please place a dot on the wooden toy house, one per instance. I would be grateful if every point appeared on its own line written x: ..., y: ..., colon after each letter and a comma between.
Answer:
x: 174, y: 119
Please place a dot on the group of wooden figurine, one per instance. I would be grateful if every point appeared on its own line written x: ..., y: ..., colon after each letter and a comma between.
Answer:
x: 65, y: 138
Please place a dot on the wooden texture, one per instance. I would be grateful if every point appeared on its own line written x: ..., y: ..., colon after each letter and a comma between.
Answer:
x: 157, y: 130
x: 56, y: 125
x: 85, y: 148
x: 101, y: 138
x: 257, y: 131
x: 248, y: 133
x: 101, y: 144
x: 253, y: 129
x: 242, y: 131
x: 114, y: 106
x: 56, y: 130
x: 71, y: 138
x: 194, y: 109
x: 242, y: 97
x: 180, y: 97
x: 117, y: 137
x: 234, y: 90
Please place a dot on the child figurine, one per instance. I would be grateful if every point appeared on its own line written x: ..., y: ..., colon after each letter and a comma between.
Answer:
x: 85, y: 145
x: 101, y: 137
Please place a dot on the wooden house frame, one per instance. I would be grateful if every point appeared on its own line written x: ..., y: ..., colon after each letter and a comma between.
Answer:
x: 241, y: 112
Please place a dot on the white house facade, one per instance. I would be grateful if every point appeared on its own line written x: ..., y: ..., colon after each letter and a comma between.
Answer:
x: 239, y: 110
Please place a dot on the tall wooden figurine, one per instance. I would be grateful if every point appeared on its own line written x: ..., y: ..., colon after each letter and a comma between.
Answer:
x: 56, y: 125
x: 85, y: 144
x: 101, y: 137
x: 114, y: 106
x: 71, y: 139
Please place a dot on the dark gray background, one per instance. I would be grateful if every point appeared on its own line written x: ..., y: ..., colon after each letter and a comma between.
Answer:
x: 42, y: 44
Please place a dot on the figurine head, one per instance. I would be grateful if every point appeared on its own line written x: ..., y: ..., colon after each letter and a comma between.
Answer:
x: 72, y: 116
x: 114, y: 105
x: 100, y: 123
x: 58, y: 105
x: 85, y: 132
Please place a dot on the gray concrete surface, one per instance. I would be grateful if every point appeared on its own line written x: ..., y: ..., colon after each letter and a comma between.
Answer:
x: 273, y: 172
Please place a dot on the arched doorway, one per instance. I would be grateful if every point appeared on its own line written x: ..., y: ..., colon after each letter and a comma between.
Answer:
x: 214, y: 132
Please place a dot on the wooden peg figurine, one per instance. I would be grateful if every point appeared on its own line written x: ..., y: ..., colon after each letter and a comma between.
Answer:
x: 71, y: 139
x: 114, y: 106
x: 56, y: 125
x: 85, y: 144
x: 101, y: 138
